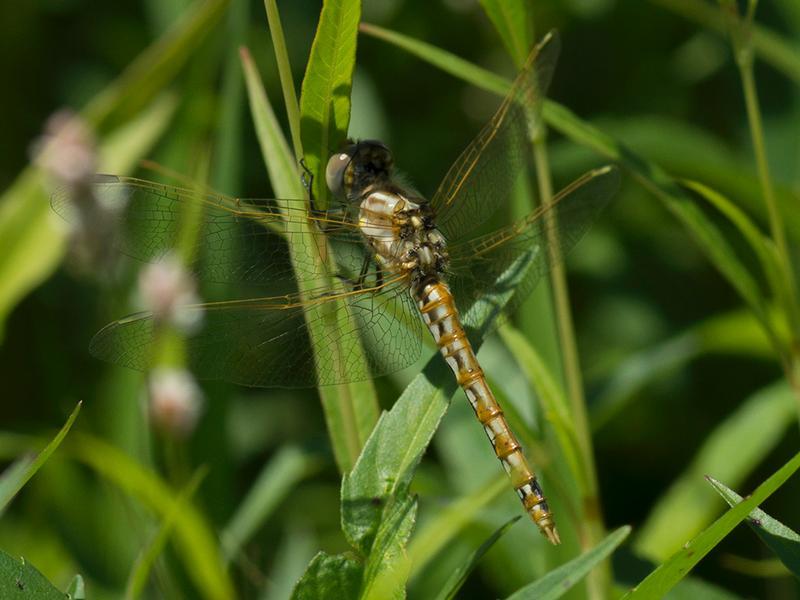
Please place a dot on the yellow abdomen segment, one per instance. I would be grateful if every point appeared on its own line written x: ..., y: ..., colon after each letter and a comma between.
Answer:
x: 440, y: 315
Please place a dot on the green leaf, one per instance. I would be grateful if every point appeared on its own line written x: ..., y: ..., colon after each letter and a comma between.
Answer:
x: 513, y: 20
x: 325, y: 94
x: 20, y: 579
x: 664, y: 578
x: 13, y: 479
x: 784, y: 542
x: 278, y: 477
x: 386, y: 465
x: 351, y: 410
x: 459, y: 576
x: 731, y: 452
x: 329, y: 578
x: 558, y: 581
x: 387, y: 567
x: 194, y: 539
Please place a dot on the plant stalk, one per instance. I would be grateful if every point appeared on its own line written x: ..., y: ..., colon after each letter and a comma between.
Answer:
x: 591, y: 528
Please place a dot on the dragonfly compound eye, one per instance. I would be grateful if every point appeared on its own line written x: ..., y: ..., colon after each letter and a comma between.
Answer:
x: 336, y: 171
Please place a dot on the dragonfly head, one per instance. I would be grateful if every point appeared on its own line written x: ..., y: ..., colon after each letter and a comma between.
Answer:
x: 357, y: 166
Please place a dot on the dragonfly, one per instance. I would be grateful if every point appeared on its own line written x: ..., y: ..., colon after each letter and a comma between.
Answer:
x: 354, y: 286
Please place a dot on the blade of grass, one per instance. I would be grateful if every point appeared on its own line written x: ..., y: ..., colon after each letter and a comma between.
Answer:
x: 195, y: 541
x: 285, y: 72
x: 15, y: 478
x: 770, y: 46
x: 325, y: 94
x: 784, y: 542
x: 351, y: 410
x: 459, y: 576
x: 140, y: 572
x: 278, y: 477
x: 664, y: 578
x: 513, y: 20
x: 442, y: 529
x: 557, y: 582
x: 731, y: 452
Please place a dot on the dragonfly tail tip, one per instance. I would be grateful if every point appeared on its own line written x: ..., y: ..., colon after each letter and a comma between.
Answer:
x: 551, y: 533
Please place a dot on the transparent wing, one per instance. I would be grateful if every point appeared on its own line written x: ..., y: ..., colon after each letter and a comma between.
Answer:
x: 483, y: 176
x: 266, y: 342
x: 492, y: 274
x: 239, y: 240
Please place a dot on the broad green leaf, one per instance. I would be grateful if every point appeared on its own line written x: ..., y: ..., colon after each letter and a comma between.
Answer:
x: 460, y: 575
x: 20, y: 579
x: 692, y: 588
x: 731, y: 452
x: 351, y: 410
x: 666, y: 576
x: 513, y: 20
x: 330, y: 578
x: 386, y: 465
x: 278, y: 477
x: 325, y: 95
x: 195, y: 541
x: 558, y: 581
x: 784, y: 542
x: 13, y: 480
x: 387, y: 567
x: 140, y: 572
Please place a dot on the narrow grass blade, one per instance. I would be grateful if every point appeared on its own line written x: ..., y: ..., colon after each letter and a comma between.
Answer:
x: 278, y: 477
x: 460, y: 575
x: 325, y: 96
x: 14, y: 479
x: 195, y: 541
x: 731, y: 452
x: 20, y: 579
x: 351, y: 410
x: 664, y: 578
x: 438, y: 532
x: 784, y: 542
x: 557, y: 582
x: 330, y: 578
x: 285, y: 71
x: 140, y: 573
x: 513, y: 20
x: 156, y: 66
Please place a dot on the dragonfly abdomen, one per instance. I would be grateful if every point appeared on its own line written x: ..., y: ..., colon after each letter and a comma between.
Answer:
x: 440, y: 315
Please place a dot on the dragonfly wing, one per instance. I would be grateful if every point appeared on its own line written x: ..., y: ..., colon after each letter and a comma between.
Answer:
x: 239, y: 241
x: 492, y: 274
x: 267, y: 342
x: 483, y: 176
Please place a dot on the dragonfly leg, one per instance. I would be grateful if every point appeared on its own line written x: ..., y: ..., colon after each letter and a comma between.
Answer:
x: 307, y: 177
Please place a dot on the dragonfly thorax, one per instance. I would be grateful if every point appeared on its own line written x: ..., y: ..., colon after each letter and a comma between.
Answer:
x: 401, y: 233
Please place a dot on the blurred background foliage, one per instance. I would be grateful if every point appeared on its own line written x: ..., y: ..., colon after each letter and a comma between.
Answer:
x: 680, y: 380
